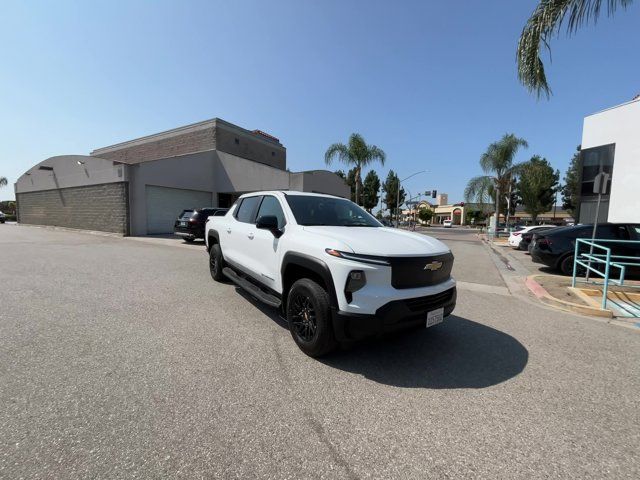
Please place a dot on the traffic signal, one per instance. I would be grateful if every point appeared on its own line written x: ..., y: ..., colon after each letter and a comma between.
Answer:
x: 434, y: 193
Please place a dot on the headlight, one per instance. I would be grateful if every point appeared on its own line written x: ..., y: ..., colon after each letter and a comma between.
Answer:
x: 371, y: 259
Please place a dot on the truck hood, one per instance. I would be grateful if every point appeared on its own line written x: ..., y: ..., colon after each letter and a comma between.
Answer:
x: 381, y: 241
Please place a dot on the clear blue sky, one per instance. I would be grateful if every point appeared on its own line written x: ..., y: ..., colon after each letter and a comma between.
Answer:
x: 430, y: 82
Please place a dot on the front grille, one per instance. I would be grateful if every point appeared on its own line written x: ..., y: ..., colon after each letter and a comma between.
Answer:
x: 412, y: 272
x: 422, y: 304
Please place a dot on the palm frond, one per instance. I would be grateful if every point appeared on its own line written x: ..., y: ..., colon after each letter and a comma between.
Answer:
x: 499, y: 156
x: 339, y: 150
x: 3, y: 181
x: 547, y: 20
x: 374, y: 154
x: 478, y: 190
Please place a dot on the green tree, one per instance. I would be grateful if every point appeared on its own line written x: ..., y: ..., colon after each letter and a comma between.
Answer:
x: 390, y: 188
x: 3, y: 181
x: 425, y: 214
x: 537, y: 186
x: 571, y: 187
x: 355, y: 153
x: 498, y: 165
x: 350, y: 179
x: 547, y: 21
x: 370, y: 190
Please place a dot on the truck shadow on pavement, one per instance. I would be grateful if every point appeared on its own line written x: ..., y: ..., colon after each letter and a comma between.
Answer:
x: 459, y: 353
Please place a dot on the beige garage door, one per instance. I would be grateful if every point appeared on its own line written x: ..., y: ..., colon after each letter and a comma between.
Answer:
x: 165, y: 204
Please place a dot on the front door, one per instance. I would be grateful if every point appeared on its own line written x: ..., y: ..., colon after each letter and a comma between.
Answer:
x: 266, y: 246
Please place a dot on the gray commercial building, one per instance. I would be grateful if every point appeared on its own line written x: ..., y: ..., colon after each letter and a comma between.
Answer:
x: 140, y: 186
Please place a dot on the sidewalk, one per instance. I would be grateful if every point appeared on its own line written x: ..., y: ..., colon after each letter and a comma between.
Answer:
x: 541, y: 284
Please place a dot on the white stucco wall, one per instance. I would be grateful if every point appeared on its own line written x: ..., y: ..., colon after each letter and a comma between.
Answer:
x: 70, y: 171
x: 619, y: 125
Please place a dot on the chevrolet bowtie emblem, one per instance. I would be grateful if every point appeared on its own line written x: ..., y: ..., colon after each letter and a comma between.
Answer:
x: 433, y: 266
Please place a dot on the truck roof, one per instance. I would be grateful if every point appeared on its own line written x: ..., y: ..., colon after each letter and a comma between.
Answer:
x: 288, y: 192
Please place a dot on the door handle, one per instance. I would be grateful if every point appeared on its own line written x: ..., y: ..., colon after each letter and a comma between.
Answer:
x: 228, y: 230
x: 250, y: 236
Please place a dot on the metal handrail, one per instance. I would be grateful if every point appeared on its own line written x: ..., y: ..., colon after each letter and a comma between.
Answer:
x: 617, y: 261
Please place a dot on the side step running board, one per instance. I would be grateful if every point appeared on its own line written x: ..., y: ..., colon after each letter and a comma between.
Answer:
x: 250, y: 288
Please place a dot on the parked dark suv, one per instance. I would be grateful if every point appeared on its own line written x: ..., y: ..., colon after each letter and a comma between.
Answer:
x: 190, y: 223
x: 556, y: 247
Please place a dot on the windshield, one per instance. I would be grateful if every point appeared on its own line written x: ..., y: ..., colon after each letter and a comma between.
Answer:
x: 311, y: 210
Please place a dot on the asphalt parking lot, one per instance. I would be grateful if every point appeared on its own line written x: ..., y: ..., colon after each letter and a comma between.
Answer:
x: 121, y: 358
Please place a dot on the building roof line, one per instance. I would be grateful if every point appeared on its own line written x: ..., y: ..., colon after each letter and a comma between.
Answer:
x: 637, y: 99
x: 192, y: 127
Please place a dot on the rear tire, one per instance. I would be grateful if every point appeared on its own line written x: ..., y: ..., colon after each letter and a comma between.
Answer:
x: 189, y: 239
x: 566, y: 267
x: 216, y: 263
x: 309, y: 317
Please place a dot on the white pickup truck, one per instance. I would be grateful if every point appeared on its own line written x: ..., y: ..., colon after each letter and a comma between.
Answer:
x: 337, y: 273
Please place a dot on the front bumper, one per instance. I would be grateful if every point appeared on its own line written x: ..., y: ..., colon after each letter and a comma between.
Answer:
x: 393, y: 316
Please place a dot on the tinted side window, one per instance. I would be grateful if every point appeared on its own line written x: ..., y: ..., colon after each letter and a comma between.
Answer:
x: 247, y: 209
x: 613, y: 232
x: 271, y: 206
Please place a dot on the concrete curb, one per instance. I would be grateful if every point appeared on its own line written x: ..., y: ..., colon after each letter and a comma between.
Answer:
x: 541, y: 293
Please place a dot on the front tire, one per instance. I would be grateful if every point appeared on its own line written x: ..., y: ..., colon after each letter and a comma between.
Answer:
x: 309, y: 317
x: 216, y: 263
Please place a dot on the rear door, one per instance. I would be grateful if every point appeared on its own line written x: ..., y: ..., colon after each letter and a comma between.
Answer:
x: 239, y: 230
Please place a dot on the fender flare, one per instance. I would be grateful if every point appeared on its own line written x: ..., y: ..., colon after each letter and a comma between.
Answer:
x: 314, y: 264
x: 212, y: 233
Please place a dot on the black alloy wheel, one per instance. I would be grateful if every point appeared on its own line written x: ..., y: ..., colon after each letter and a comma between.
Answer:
x: 216, y: 263
x: 303, y: 317
x: 309, y: 315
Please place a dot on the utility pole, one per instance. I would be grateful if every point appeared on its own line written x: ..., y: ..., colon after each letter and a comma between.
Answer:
x: 398, y: 194
x: 496, y: 215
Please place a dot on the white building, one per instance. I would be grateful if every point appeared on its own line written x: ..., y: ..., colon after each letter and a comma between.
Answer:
x: 611, y: 143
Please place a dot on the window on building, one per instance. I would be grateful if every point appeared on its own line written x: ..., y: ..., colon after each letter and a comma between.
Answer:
x: 594, y: 161
x: 237, y: 140
x: 273, y: 154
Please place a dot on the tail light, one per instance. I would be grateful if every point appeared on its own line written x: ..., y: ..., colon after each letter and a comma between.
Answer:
x: 543, y: 243
x: 516, y: 234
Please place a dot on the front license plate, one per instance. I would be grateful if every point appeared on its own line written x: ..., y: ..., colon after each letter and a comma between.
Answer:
x: 435, y: 317
x: 183, y: 224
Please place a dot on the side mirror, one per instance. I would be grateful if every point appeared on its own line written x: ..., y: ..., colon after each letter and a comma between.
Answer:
x: 269, y: 222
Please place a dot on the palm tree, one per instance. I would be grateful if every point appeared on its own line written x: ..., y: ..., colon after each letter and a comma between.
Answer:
x: 3, y: 181
x: 545, y: 22
x: 357, y: 154
x: 497, y: 163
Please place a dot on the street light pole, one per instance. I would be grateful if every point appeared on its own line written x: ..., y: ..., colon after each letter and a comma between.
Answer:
x: 398, y: 194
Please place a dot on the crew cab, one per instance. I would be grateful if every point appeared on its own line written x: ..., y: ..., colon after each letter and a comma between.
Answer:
x: 335, y: 271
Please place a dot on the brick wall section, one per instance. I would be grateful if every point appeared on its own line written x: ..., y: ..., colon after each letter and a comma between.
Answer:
x: 96, y: 207
x: 191, y: 142
x: 250, y: 148
x: 214, y: 138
